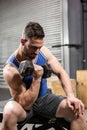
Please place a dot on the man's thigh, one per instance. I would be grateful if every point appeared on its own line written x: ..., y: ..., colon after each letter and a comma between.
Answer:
x: 64, y: 111
x: 47, y: 105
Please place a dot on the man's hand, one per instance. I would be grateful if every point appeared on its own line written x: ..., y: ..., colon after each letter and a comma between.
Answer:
x: 38, y: 71
x: 76, y: 105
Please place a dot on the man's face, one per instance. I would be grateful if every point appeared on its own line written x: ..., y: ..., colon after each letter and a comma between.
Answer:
x: 32, y: 47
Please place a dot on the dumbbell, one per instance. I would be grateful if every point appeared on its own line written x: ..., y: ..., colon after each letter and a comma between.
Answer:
x: 26, y: 68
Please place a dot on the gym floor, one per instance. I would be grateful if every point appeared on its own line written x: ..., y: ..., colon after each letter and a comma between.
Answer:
x: 4, y: 96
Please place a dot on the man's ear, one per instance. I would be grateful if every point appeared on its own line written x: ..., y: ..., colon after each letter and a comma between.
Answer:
x: 22, y: 41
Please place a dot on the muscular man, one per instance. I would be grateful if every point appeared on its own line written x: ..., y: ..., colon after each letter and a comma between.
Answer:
x: 30, y: 93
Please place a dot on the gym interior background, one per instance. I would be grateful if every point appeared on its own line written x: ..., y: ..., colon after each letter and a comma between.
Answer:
x: 65, y: 26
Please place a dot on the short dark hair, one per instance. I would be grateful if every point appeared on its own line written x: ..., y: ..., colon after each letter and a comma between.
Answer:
x: 33, y: 29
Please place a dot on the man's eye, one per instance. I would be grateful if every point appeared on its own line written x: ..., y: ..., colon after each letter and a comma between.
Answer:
x: 34, y: 47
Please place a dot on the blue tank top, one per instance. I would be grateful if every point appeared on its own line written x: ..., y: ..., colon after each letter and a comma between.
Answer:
x: 39, y: 60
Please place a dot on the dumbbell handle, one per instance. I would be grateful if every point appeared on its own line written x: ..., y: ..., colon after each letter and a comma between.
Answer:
x: 47, y: 71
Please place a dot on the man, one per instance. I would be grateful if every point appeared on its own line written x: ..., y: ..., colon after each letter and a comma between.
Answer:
x: 30, y: 93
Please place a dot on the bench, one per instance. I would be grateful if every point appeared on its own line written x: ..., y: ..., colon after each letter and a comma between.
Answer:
x: 44, y: 123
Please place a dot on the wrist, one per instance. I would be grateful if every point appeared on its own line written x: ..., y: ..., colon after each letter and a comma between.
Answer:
x: 37, y: 79
x: 70, y: 95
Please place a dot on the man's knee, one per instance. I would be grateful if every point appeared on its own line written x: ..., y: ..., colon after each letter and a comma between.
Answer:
x: 79, y: 123
x: 81, y: 118
x: 63, y: 110
x: 9, y: 115
x: 13, y: 112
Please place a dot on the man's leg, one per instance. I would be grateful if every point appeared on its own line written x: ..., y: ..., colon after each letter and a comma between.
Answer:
x: 76, y: 123
x: 12, y: 113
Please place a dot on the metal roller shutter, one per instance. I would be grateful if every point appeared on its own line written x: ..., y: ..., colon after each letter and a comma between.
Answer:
x: 15, y: 14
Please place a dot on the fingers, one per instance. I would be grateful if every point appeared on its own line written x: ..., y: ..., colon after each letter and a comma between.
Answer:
x: 82, y: 107
x: 70, y: 105
x: 38, y: 71
x: 76, y: 106
x: 79, y: 107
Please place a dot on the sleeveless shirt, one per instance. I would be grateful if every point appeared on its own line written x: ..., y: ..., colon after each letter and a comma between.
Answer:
x: 39, y: 60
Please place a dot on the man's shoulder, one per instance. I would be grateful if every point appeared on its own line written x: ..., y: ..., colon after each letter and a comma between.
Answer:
x: 8, y: 67
x: 44, y: 50
x: 9, y: 71
x: 43, y: 47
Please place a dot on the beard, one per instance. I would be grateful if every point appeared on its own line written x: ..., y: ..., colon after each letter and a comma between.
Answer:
x: 31, y: 56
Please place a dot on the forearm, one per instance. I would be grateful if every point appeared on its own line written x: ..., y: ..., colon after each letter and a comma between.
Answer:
x: 29, y: 96
x: 66, y: 84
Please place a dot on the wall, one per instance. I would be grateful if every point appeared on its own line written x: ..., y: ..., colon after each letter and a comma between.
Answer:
x: 76, y: 36
x: 11, y: 24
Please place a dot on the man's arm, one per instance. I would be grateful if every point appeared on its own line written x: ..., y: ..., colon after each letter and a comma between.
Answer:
x: 18, y: 89
x: 57, y: 69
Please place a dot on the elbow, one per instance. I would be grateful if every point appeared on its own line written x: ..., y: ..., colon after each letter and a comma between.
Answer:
x: 33, y: 97
x: 28, y: 102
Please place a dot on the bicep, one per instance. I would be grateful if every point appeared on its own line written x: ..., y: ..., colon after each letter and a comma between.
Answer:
x: 18, y: 89
x: 55, y: 65
x: 13, y: 79
x: 52, y: 60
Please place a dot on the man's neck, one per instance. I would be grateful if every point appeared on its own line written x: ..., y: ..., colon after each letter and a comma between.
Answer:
x: 20, y: 56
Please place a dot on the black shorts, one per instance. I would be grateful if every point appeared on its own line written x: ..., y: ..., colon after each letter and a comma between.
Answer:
x: 47, y: 105
x: 44, y: 106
